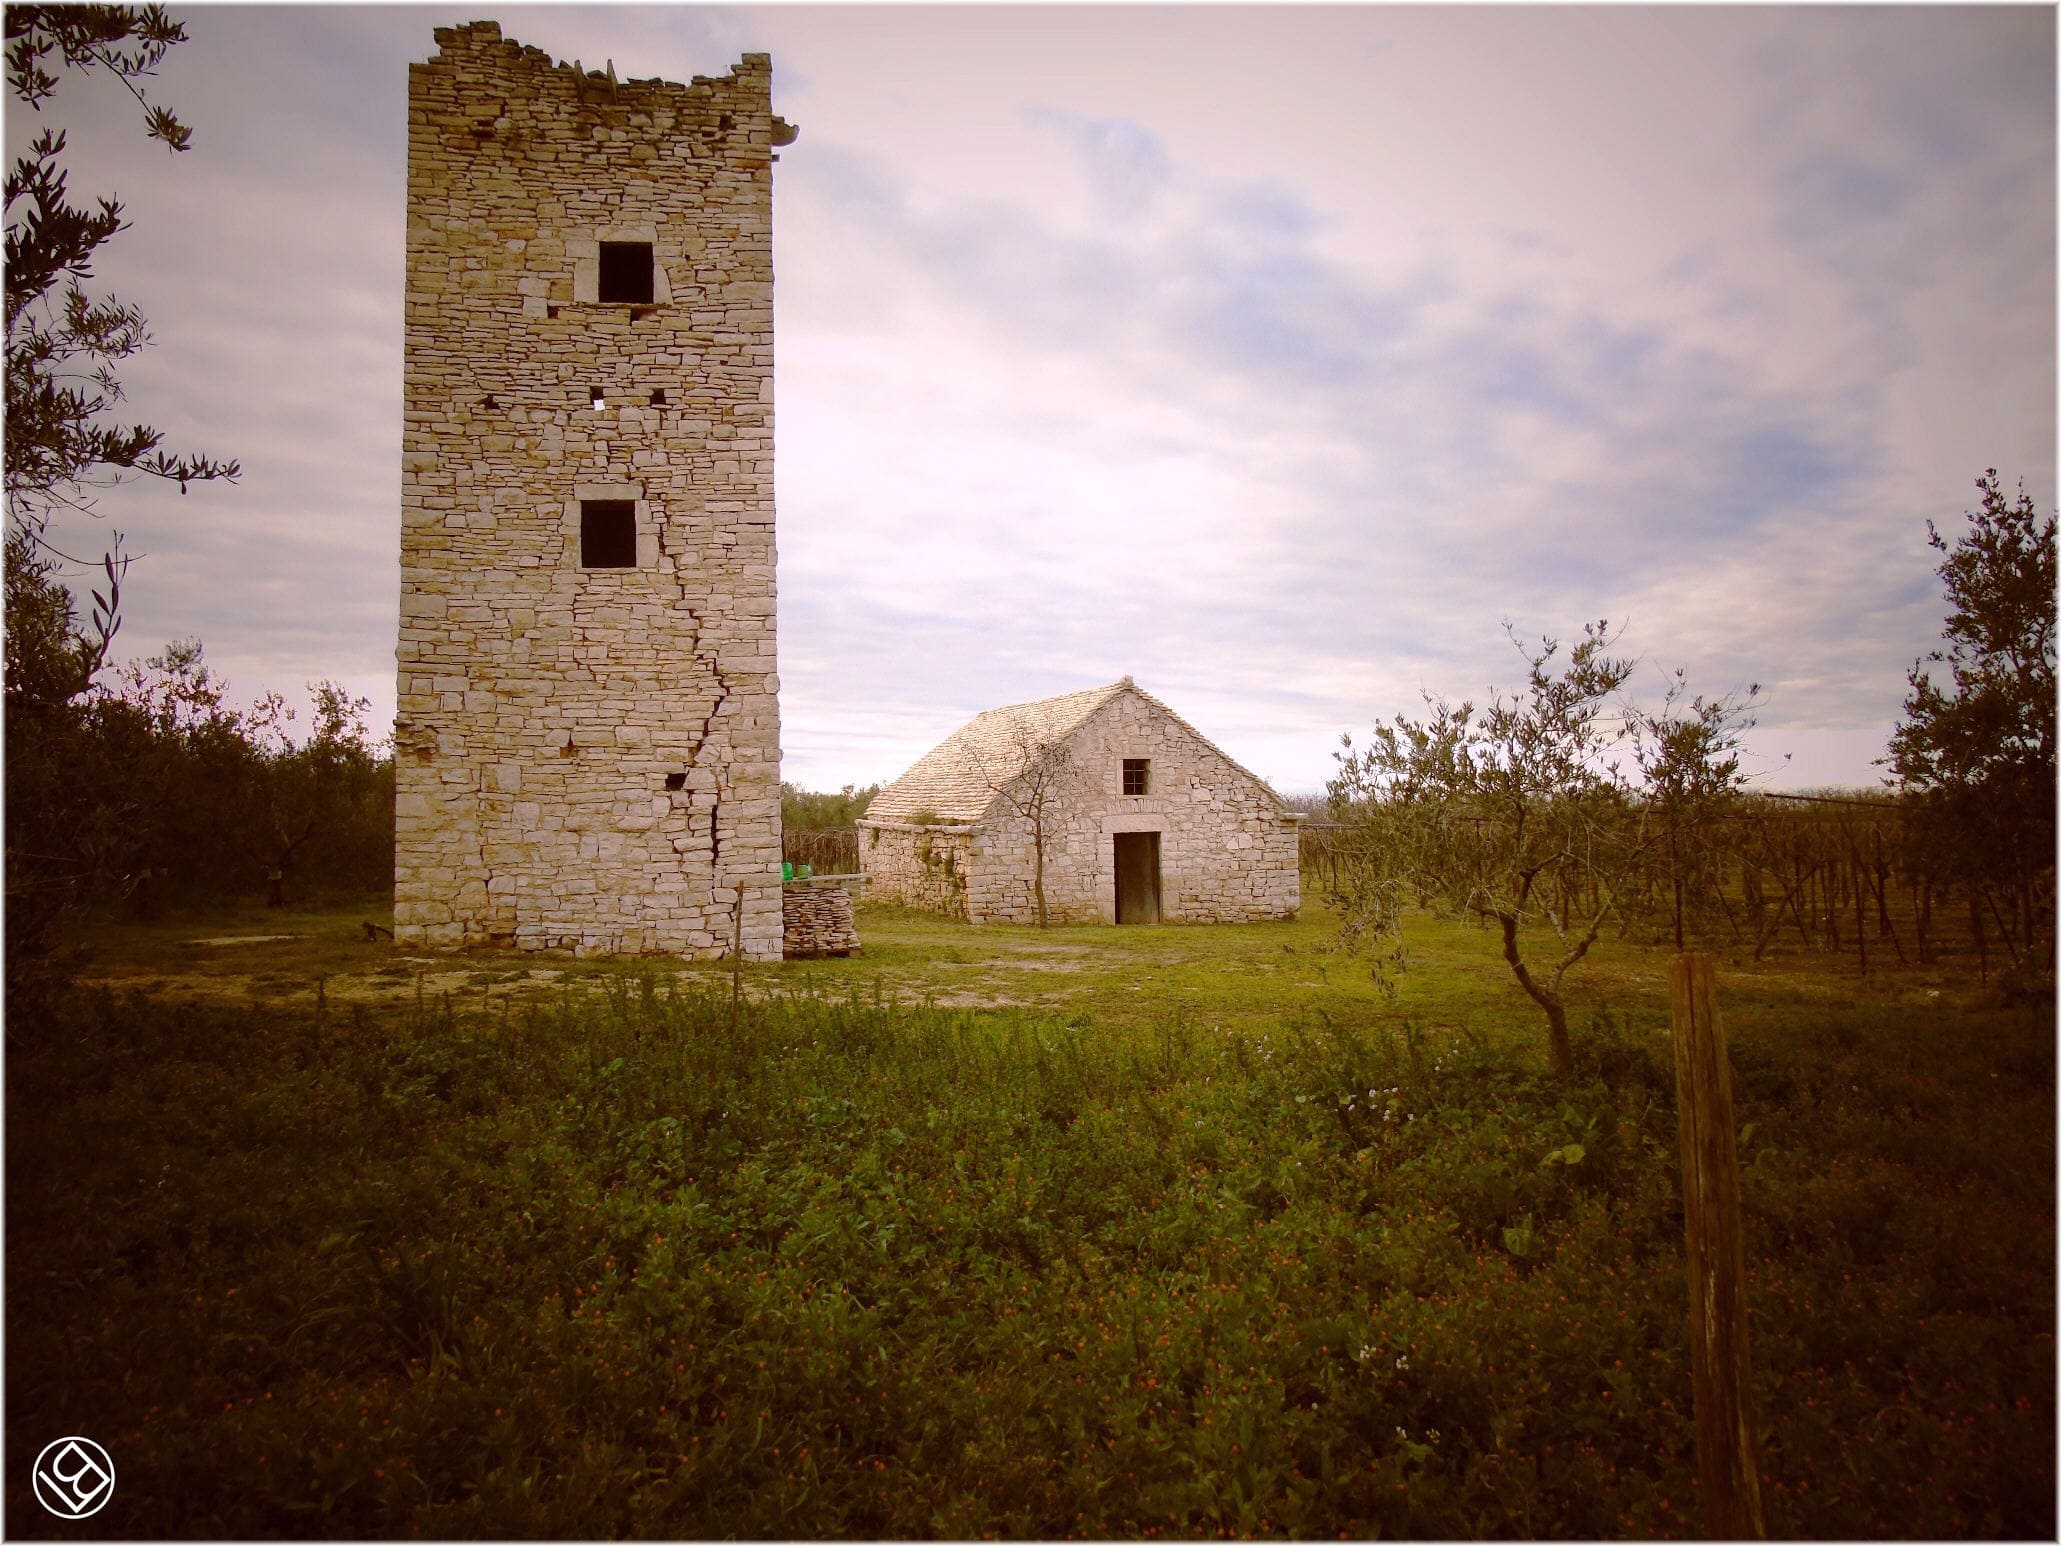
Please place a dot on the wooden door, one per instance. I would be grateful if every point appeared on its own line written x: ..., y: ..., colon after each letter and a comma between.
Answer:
x: 1137, y: 877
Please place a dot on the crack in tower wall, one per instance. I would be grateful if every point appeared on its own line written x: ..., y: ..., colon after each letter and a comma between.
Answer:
x: 713, y: 661
x: 547, y: 705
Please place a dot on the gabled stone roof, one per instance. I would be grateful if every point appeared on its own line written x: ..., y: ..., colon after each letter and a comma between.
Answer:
x: 957, y: 780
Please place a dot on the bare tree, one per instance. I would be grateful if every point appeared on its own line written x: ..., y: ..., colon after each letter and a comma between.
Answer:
x: 1033, y: 774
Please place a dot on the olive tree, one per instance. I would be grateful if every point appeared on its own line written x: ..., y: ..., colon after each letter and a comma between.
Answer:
x: 62, y: 342
x: 63, y: 345
x: 1522, y: 814
x: 1688, y: 756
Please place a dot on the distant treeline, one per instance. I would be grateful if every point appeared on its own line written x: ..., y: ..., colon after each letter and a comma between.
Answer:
x: 805, y: 809
x: 139, y: 788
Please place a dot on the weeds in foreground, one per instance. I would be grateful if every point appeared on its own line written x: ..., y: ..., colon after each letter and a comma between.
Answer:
x: 597, y: 1264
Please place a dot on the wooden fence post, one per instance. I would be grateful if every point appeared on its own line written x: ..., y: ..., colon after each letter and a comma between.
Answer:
x: 736, y: 953
x: 1727, y: 1447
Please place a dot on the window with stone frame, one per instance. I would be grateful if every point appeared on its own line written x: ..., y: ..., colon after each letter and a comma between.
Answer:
x: 1137, y: 775
x: 620, y: 265
x: 608, y: 534
x: 626, y: 273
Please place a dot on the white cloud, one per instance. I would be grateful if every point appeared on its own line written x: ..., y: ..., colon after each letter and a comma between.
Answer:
x: 1106, y: 346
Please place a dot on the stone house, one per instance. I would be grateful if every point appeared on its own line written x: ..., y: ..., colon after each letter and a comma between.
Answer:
x: 587, y: 748
x: 1143, y: 820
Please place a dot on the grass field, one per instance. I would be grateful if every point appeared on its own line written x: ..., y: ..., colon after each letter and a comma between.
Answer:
x: 1106, y: 1233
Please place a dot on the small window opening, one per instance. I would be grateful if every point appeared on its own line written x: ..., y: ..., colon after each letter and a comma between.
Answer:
x: 550, y: 311
x: 608, y: 534
x: 1137, y: 775
x: 596, y: 399
x: 658, y: 397
x: 626, y: 272
x: 676, y: 781
x: 490, y: 403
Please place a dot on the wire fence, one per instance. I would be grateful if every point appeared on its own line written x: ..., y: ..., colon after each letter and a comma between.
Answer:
x: 1832, y: 875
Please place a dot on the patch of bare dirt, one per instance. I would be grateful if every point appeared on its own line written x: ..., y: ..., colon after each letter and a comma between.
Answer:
x: 389, y: 983
x: 969, y: 1000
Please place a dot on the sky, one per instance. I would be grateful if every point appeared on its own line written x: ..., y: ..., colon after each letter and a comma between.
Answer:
x: 1281, y: 358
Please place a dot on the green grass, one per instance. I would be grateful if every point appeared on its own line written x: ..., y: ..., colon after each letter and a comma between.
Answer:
x: 319, y: 941
x: 1197, y: 1235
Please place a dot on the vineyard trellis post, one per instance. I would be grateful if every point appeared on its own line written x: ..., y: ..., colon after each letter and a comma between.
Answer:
x: 1727, y: 1445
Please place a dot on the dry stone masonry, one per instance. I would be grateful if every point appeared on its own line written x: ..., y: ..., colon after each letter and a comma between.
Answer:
x: 818, y: 915
x: 588, y: 739
x: 1148, y: 820
x: 920, y: 865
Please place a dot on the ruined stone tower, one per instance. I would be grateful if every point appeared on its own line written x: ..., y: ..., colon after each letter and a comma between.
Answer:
x: 587, y: 749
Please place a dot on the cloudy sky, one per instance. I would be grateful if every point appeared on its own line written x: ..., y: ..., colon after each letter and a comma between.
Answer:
x: 1277, y: 357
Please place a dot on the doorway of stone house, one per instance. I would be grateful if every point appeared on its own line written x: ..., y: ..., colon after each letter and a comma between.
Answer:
x: 1137, y: 877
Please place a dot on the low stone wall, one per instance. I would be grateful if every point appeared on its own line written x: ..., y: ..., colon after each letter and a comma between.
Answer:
x: 816, y: 916
x: 923, y: 867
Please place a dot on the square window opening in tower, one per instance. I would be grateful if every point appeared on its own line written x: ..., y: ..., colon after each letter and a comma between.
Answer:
x: 626, y: 273
x: 608, y: 534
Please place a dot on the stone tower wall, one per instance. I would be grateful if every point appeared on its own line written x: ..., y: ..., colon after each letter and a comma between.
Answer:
x: 545, y: 707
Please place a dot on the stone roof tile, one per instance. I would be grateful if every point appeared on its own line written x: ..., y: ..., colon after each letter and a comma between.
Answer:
x: 956, y: 780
